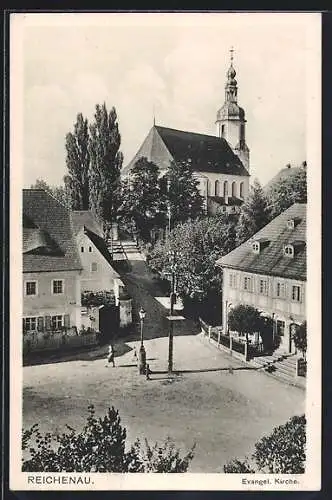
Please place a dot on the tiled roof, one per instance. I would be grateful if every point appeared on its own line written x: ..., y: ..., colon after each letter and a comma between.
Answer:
x: 101, y: 246
x: 48, y: 239
x: 207, y: 153
x: 271, y: 259
x: 86, y: 218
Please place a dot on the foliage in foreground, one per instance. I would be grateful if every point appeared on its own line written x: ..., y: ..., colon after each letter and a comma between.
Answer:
x: 99, y: 447
x: 282, y: 452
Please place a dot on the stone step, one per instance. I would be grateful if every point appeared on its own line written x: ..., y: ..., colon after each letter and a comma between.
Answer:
x: 291, y: 371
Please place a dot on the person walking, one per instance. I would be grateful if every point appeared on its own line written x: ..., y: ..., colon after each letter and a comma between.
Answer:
x: 135, y: 358
x: 111, y: 355
x: 147, y: 372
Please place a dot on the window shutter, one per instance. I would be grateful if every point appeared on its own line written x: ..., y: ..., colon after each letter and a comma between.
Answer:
x: 66, y: 321
x: 47, y: 322
x: 40, y: 323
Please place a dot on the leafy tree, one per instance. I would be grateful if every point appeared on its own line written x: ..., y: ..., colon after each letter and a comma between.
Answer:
x: 292, y: 189
x: 182, y: 193
x: 300, y: 338
x: 78, y: 162
x: 198, y: 244
x: 244, y: 319
x: 255, y: 213
x: 142, y: 200
x: 60, y: 193
x: 99, y: 447
x: 105, y: 163
x: 282, y: 452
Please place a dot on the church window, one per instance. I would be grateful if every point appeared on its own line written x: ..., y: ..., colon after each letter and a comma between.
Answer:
x: 234, y: 189
x: 222, y: 130
x: 241, y: 190
x: 217, y: 188
x: 208, y: 187
x: 225, y: 188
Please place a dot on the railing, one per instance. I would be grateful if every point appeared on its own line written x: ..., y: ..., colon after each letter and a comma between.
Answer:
x: 229, y: 343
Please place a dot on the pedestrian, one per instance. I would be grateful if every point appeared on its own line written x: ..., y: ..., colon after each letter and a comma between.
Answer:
x: 111, y: 355
x: 147, y: 372
x: 230, y: 370
x: 135, y: 354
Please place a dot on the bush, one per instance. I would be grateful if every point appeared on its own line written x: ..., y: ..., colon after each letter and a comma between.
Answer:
x: 99, y: 447
x: 282, y: 452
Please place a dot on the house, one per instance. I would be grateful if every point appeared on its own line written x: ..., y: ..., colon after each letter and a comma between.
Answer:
x: 98, y: 274
x: 268, y: 271
x: 220, y: 163
x: 51, y: 265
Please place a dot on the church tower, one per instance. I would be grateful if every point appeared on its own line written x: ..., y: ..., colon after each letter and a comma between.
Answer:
x: 231, y: 122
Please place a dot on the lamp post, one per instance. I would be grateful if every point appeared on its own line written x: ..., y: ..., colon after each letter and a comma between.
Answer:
x: 142, y: 353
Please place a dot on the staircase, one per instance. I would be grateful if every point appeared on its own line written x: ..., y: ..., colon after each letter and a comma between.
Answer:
x: 281, y: 366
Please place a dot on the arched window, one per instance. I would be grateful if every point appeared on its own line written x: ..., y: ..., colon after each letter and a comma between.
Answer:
x: 241, y: 190
x: 222, y: 130
x: 234, y: 189
x: 226, y: 188
x: 217, y: 188
x: 208, y: 187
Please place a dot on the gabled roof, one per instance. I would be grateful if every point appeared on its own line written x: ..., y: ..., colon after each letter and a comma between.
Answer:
x: 100, y: 245
x: 207, y: 153
x: 86, y: 218
x: 271, y: 259
x: 48, y: 239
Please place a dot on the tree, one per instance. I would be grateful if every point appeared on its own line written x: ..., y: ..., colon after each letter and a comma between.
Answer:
x: 60, y: 193
x: 78, y: 162
x: 255, y: 213
x: 198, y: 244
x: 292, y: 189
x: 142, y: 200
x: 105, y: 163
x: 244, y: 319
x: 282, y: 452
x: 182, y: 193
x: 300, y: 338
x: 99, y: 447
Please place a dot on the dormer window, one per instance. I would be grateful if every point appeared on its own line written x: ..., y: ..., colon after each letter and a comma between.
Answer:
x: 289, y: 251
x: 290, y: 224
x: 255, y: 247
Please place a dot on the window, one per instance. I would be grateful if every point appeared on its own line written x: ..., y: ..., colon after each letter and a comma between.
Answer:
x: 241, y: 190
x: 82, y: 249
x: 90, y: 249
x: 30, y: 324
x: 232, y: 280
x: 216, y: 188
x: 296, y: 293
x: 255, y: 247
x: 57, y: 322
x: 247, y: 284
x: 289, y: 251
x: 290, y: 224
x: 234, y: 189
x: 57, y: 286
x: 31, y: 288
x: 263, y: 287
x: 225, y: 188
x: 242, y: 133
x: 93, y: 266
x: 280, y: 290
x: 222, y: 130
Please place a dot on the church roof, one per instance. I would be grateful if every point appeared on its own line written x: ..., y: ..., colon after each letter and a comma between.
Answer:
x: 207, y: 153
x: 271, y: 259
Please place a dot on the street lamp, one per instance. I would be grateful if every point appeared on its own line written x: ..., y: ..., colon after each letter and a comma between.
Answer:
x: 142, y: 353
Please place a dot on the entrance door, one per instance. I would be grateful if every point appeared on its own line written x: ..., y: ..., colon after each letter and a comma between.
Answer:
x: 281, y: 334
x: 109, y: 323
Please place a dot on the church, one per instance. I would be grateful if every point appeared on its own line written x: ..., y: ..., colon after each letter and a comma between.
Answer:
x: 220, y: 163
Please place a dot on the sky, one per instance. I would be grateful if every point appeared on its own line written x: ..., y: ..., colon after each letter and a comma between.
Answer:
x: 171, y: 66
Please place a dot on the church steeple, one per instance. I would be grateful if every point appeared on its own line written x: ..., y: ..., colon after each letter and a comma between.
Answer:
x: 231, y: 117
